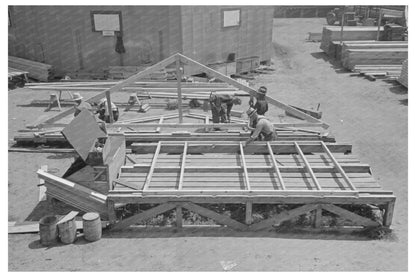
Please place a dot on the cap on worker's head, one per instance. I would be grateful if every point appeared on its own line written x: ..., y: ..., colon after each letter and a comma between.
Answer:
x: 263, y: 89
x: 237, y: 101
x: 76, y: 96
x: 250, y: 112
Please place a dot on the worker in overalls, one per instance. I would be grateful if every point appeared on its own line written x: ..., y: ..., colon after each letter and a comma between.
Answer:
x: 103, y: 112
x: 80, y: 104
x: 221, y: 105
x: 263, y: 127
x: 261, y: 105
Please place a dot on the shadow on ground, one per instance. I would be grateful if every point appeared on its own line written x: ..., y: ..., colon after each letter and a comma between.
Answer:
x: 335, y: 64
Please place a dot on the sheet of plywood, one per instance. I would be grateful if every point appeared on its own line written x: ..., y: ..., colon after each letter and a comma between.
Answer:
x: 82, y: 133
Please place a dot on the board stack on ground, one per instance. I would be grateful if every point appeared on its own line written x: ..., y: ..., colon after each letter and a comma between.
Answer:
x: 393, y: 32
x: 374, y: 58
x: 36, y: 70
x: 331, y: 36
x: 403, y: 74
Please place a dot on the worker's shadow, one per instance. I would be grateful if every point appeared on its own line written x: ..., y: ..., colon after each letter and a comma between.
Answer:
x: 283, y: 233
x: 335, y: 64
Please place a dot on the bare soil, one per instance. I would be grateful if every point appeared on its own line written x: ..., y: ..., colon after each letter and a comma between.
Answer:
x: 372, y: 116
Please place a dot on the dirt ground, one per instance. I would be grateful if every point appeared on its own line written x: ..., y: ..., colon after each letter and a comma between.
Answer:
x: 372, y: 116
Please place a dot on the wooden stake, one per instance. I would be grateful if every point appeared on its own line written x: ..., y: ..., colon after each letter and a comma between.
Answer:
x: 249, y: 212
x: 179, y: 80
x: 110, y: 111
x: 179, y: 216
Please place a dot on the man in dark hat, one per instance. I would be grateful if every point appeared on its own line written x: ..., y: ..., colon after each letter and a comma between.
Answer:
x: 263, y: 128
x: 261, y: 105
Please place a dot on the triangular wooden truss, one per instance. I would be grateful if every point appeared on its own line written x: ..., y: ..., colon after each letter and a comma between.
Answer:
x: 180, y: 60
x: 222, y: 219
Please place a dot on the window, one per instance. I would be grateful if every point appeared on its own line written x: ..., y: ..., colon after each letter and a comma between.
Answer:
x: 106, y: 21
x: 231, y: 18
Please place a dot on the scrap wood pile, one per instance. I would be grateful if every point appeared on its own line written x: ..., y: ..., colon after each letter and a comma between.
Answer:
x: 36, y: 70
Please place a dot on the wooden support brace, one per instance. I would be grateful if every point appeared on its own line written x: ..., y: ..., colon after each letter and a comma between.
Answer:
x: 276, y: 167
x: 283, y: 216
x: 183, y: 163
x: 179, y: 216
x: 388, y: 214
x: 243, y: 160
x: 179, y: 80
x: 317, y: 222
x: 112, y: 218
x: 143, y: 216
x: 160, y: 122
x: 221, y: 219
x: 152, y: 166
x: 338, y: 166
x: 249, y: 212
x: 355, y: 218
x: 307, y: 165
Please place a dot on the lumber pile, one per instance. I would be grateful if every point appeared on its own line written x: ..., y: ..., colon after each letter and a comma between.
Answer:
x: 350, y: 33
x: 373, y: 53
x: 393, y: 32
x: 39, y: 71
x: 403, y: 74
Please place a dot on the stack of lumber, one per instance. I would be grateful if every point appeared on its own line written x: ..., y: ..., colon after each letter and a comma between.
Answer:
x: 39, y: 71
x: 393, y: 32
x: 379, y: 70
x: 373, y: 53
x: 403, y: 74
x: 123, y: 72
x: 331, y: 34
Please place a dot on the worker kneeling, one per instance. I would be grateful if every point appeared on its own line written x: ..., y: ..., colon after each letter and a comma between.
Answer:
x: 263, y: 128
x: 103, y: 113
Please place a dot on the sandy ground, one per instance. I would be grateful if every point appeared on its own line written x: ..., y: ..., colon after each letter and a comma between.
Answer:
x: 370, y: 115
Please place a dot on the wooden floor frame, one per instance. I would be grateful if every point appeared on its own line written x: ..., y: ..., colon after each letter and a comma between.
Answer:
x: 314, y: 200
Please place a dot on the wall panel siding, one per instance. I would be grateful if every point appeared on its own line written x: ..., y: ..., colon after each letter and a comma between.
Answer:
x: 205, y: 40
x: 63, y: 36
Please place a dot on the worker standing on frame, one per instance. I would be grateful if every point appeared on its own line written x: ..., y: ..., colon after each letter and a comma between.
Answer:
x: 80, y: 104
x: 263, y: 127
x: 261, y: 105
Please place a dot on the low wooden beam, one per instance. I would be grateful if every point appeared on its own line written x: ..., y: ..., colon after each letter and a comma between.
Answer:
x: 308, y: 166
x: 142, y: 216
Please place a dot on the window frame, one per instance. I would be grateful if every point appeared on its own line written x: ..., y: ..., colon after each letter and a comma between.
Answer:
x: 223, y: 11
x: 92, y: 13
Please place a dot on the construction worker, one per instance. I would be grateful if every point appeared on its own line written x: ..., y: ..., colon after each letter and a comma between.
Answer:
x: 263, y: 127
x: 221, y: 105
x: 261, y: 105
x: 103, y: 113
x: 79, y: 103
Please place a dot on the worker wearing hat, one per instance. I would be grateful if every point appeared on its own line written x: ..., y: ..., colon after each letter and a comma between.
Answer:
x: 263, y: 127
x: 261, y: 105
x: 221, y: 105
x: 80, y: 104
x: 103, y: 113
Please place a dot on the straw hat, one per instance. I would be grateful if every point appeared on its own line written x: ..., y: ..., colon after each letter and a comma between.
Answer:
x: 76, y: 96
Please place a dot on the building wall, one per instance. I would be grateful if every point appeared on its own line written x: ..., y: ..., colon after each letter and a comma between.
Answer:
x: 205, y: 40
x: 63, y: 36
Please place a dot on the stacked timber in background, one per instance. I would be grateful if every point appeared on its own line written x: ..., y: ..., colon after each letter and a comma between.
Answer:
x: 331, y: 36
x: 403, y: 74
x: 39, y: 71
x: 373, y: 53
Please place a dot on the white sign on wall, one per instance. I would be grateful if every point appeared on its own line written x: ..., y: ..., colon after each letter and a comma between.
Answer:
x: 106, y: 22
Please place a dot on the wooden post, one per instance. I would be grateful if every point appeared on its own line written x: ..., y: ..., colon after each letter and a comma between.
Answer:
x: 179, y: 79
x: 112, y: 218
x: 249, y: 212
x: 388, y: 214
x: 318, y: 218
x: 179, y: 216
x: 342, y: 27
x: 110, y: 112
x: 379, y: 23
